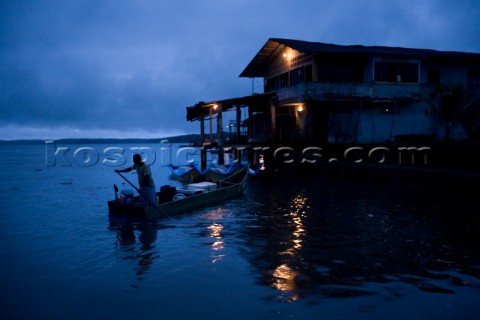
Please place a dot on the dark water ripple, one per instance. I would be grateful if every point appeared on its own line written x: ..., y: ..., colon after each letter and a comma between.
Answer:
x: 294, y: 246
x: 316, y: 236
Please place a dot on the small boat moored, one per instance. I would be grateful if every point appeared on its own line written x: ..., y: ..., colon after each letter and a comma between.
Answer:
x: 191, y: 172
x: 219, y: 172
x: 173, y: 200
x: 185, y: 173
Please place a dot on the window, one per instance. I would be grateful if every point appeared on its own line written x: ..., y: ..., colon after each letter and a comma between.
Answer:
x: 297, y: 76
x: 292, y: 78
x: 393, y: 71
x: 269, y: 85
x: 336, y: 70
x: 284, y: 80
x: 308, y: 73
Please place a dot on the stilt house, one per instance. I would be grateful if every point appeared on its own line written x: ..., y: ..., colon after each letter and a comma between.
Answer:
x: 317, y: 93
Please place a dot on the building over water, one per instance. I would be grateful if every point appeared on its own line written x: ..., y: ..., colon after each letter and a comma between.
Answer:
x: 317, y: 93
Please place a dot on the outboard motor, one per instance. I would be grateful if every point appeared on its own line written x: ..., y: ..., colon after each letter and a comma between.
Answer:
x: 126, y: 196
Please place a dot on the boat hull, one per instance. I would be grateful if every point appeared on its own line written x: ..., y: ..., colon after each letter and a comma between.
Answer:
x: 228, y: 188
x: 185, y: 174
x: 221, y: 172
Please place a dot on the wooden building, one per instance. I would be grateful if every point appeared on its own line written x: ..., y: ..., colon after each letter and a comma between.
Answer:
x: 317, y: 93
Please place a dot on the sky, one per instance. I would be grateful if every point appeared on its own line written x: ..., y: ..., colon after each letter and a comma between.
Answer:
x: 128, y: 69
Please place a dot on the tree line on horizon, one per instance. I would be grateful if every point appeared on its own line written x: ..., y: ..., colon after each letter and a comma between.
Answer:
x: 188, y: 138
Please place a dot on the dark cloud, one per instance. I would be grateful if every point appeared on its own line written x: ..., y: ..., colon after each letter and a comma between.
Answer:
x: 111, y: 67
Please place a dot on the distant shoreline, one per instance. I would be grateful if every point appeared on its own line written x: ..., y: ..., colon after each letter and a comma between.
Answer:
x: 189, y: 138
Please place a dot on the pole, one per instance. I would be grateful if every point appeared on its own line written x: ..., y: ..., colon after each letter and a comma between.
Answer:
x: 153, y: 204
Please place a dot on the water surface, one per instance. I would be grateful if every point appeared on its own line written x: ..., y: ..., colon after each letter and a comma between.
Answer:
x: 297, y: 245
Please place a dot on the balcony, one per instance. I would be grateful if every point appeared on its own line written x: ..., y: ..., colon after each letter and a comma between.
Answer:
x: 329, y: 90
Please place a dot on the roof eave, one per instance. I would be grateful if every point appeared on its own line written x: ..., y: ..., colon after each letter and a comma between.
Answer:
x: 257, y: 67
x: 202, y: 108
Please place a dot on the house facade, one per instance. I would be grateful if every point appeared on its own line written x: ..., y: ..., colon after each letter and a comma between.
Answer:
x: 316, y: 93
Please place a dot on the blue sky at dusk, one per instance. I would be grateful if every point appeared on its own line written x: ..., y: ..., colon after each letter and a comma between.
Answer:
x: 127, y: 69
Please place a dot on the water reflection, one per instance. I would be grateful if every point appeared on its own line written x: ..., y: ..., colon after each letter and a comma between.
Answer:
x: 284, y: 276
x: 127, y: 232
x: 334, y: 237
x: 324, y: 238
x: 284, y: 280
x: 214, y: 232
x: 295, y: 215
x: 217, y: 245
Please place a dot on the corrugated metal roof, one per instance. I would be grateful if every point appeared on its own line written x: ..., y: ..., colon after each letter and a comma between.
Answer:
x: 273, y: 47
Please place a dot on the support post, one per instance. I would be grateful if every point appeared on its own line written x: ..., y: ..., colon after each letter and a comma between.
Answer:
x: 211, y: 126
x: 220, y: 135
x: 273, y: 132
x: 250, y: 124
x: 202, y: 130
x: 239, y: 123
x: 203, y: 152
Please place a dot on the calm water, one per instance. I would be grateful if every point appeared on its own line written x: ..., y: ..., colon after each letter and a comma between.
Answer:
x: 296, y: 247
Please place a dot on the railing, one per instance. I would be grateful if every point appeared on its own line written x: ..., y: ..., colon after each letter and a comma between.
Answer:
x: 324, y: 90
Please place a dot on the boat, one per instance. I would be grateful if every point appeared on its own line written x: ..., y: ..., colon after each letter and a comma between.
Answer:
x: 175, y: 200
x: 254, y: 170
x: 185, y: 173
x: 219, y: 172
x: 191, y: 173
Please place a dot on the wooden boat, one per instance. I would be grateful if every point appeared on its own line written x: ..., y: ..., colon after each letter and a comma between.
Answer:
x: 189, y: 198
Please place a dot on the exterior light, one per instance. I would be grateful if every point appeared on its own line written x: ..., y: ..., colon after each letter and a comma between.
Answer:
x: 215, y: 106
x: 300, y: 108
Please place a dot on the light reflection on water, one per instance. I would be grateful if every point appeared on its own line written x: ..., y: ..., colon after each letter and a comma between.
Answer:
x: 296, y: 246
x: 217, y: 244
x: 283, y: 276
x: 284, y: 280
x: 215, y: 228
x: 323, y: 237
x: 315, y: 238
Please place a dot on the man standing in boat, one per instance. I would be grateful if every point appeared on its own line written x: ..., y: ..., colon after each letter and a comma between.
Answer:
x: 148, y: 196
